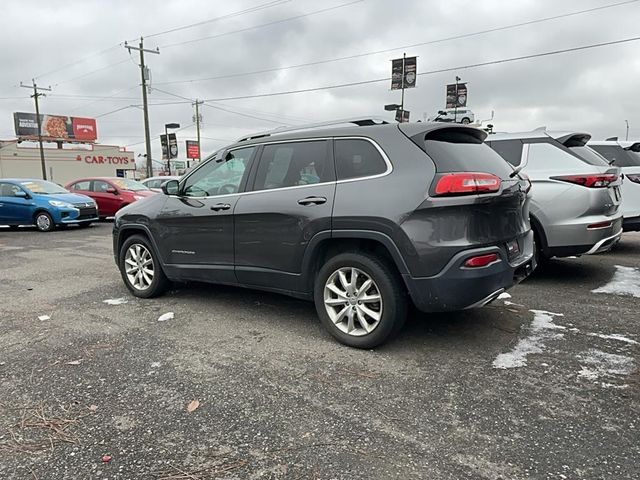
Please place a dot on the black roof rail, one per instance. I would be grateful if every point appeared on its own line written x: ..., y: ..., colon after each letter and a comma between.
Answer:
x: 360, y: 121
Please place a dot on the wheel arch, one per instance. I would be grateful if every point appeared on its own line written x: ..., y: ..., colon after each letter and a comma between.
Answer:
x: 127, y: 231
x: 326, y: 245
x: 538, y: 230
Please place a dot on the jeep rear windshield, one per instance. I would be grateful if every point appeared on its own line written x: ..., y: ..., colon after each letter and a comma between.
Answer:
x: 463, y: 150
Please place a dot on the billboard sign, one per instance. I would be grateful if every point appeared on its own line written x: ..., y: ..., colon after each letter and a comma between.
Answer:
x: 456, y: 95
x: 404, y: 73
x: 402, y: 116
x: 193, y: 149
x: 173, y: 146
x: 56, y: 127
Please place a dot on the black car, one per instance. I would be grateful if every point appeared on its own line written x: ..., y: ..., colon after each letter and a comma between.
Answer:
x: 363, y: 219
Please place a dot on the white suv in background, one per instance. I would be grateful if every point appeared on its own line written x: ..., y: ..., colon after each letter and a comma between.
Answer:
x: 461, y: 115
x: 625, y: 155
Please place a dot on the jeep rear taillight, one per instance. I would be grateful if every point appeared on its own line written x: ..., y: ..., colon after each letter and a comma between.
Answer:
x: 465, y: 183
x: 590, y: 181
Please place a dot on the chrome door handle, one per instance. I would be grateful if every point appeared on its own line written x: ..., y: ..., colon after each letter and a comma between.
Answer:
x: 220, y: 206
x: 312, y: 201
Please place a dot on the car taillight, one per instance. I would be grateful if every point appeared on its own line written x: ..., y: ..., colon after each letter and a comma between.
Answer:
x: 465, y: 183
x: 481, y: 260
x: 591, y: 181
x: 634, y: 178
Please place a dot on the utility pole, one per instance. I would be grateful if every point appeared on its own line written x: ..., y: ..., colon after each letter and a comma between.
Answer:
x: 35, y: 96
x: 145, y: 107
x: 198, y: 119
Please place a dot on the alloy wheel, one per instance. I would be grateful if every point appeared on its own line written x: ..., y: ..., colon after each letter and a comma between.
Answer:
x: 353, y: 301
x: 138, y: 265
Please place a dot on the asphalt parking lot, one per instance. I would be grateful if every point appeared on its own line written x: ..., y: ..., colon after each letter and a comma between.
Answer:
x: 544, y: 384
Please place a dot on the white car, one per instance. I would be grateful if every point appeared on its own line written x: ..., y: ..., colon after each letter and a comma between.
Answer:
x: 155, y: 183
x: 625, y: 155
x: 461, y: 115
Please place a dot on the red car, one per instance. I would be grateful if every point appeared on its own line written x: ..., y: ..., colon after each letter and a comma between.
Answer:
x: 110, y: 193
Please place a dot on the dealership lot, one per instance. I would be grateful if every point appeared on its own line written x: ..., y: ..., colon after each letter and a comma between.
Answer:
x: 500, y: 392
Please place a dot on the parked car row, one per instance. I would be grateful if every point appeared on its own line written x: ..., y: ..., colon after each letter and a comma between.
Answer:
x: 48, y: 205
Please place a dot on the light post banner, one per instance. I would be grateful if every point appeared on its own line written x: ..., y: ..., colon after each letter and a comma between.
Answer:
x: 396, y: 74
x: 410, y: 72
x: 456, y: 95
x: 173, y: 146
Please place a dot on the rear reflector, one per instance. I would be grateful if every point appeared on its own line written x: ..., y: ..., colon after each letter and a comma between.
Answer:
x: 634, y: 178
x: 481, y: 261
x: 591, y: 181
x: 465, y: 183
x: 595, y: 226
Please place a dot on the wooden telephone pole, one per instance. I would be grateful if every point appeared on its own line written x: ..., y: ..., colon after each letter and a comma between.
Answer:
x: 36, y: 94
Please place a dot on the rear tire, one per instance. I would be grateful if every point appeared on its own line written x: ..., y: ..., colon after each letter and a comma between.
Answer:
x: 345, y: 293
x: 465, y: 121
x: 44, y: 222
x: 140, y: 268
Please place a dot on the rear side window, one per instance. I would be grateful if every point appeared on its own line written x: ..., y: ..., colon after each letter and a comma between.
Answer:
x: 590, y: 156
x: 548, y: 156
x: 618, y: 156
x: 510, y: 150
x: 462, y: 150
x: 356, y: 158
x: 294, y: 164
x: 81, y: 186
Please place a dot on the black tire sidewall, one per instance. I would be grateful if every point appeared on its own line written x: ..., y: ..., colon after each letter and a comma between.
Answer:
x: 393, y: 299
x: 52, y: 225
x: 159, y: 282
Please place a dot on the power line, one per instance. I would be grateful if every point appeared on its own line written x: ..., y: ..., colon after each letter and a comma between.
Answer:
x: 222, y: 108
x: 257, y: 8
x: 403, y: 47
x: 276, y: 22
x: 92, y: 72
x: 431, y: 72
x: 76, y: 62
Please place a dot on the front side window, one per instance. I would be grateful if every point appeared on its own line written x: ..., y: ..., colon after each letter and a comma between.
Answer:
x: 8, y: 190
x: 293, y: 164
x: 100, y: 187
x: 219, y: 176
x: 356, y: 158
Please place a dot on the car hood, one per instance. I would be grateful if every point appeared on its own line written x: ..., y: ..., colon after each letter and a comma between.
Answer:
x: 66, y: 197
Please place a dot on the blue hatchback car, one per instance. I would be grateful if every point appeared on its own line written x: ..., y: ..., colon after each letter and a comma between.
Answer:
x: 43, y: 204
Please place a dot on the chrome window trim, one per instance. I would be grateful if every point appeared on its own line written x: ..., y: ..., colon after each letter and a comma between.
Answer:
x: 385, y: 157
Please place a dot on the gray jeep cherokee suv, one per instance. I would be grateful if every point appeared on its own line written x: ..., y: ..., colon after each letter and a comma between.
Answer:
x: 362, y: 219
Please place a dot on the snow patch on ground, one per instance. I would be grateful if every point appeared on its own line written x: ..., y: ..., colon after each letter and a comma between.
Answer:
x: 541, y: 330
x: 166, y: 316
x: 503, y: 296
x: 626, y: 281
x: 115, y: 301
x: 602, y: 364
x: 614, y: 336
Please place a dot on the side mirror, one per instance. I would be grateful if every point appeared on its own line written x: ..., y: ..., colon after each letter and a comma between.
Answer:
x: 111, y: 190
x: 21, y: 194
x: 441, y: 112
x: 170, y: 187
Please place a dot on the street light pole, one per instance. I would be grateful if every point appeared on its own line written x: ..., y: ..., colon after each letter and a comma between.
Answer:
x: 627, y: 122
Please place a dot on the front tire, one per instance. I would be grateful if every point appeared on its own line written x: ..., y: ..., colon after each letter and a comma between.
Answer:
x: 360, y: 300
x: 44, y: 222
x: 465, y: 121
x: 140, y: 268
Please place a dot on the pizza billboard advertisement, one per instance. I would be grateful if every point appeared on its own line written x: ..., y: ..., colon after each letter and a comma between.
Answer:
x: 55, y: 127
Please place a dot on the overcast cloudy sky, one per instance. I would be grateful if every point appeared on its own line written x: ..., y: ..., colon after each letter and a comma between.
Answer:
x: 592, y: 90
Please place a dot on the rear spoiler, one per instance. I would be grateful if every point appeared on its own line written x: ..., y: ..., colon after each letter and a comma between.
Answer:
x: 574, y: 139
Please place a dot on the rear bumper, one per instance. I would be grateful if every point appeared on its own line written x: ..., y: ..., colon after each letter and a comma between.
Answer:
x: 457, y: 287
x: 578, y: 239
x: 631, y: 224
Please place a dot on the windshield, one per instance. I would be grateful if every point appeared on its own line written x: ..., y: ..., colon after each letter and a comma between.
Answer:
x: 43, y: 187
x: 590, y: 156
x: 126, y: 184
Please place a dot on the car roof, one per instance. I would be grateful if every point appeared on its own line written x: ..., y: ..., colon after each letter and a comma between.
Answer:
x: 369, y: 131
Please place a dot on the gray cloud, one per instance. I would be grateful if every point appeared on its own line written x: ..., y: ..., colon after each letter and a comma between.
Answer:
x: 592, y: 90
